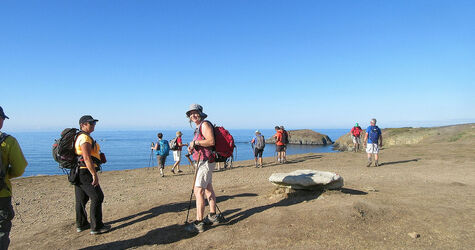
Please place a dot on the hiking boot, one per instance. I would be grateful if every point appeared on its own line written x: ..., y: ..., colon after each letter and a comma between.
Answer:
x: 195, y: 227
x: 179, y: 171
x: 172, y: 170
x: 161, y: 172
x: 212, y: 219
x: 257, y: 165
x: 82, y: 228
x: 376, y: 164
x: 368, y: 164
x: 103, y: 229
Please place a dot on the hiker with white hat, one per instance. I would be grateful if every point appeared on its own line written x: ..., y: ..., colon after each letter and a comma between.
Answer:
x: 258, y: 144
x: 202, y: 150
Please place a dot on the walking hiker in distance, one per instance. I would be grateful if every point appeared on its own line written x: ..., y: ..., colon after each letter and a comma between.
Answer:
x: 258, y: 143
x: 356, y: 136
x: 163, y: 149
x: 12, y: 164
x: 177, y: 145
x: 285, y: 141
x: 202, y: 150
x: 279, y: 145
x: 373, y: 140
x: 88, y: 151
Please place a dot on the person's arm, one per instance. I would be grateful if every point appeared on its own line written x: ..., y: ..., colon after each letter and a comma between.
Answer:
x: 180, y: 144
x: 380, y: 139
x: 207, y: 132
x: 365, y: 137
x: 17, y: 161
x: 86, y: 149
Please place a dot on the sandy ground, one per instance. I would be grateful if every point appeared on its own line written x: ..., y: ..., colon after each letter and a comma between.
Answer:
x: 426, y: 188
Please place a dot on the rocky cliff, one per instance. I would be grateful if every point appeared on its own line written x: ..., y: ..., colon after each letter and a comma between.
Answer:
x: 408, y: 135
x: 305, y: 137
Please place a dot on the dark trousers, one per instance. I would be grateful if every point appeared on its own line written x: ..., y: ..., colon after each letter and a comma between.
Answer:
x: 85, y: 191
x: 6, y: 216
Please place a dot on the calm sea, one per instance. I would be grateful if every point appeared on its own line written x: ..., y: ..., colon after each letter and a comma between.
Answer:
x: 131, y: 149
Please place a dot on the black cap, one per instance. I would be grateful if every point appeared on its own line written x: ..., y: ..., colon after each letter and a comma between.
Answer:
x: 87, y: 118
x: 3, y: 114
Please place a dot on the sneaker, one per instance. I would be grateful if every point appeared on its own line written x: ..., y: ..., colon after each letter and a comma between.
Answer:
x: 179, y: 171
x: 195, y: 227
x: 211, y: 220
x: 82, y: 228
x: 103, y: 229
x: 257, y: 165
x: 161, y: 172
x: 376, y: 164
x: 368, y: 164
x: 172, y: 170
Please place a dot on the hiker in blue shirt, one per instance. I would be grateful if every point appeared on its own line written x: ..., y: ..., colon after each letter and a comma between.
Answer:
x: 162, y: 148
x: 373, y: 140
x: 258, y: 144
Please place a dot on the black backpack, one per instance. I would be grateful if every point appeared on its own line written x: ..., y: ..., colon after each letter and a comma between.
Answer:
x: 3, y: 169
x: 285, y: 137
x: 63, y: 149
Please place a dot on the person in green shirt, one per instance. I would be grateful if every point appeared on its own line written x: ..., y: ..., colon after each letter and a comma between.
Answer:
x: 12, y: 165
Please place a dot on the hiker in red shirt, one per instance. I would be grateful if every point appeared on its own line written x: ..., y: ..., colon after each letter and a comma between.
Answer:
x: 355, y: 136
x: 279, y: 145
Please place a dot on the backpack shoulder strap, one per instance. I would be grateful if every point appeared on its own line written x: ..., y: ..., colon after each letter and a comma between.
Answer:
x: 3, y: 136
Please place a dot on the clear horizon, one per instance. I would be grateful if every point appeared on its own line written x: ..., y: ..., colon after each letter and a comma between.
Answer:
x: 251, y: 64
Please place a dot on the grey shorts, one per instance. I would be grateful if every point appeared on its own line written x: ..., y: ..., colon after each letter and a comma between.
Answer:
x: 204, y: 176
x: 279, y: 148
x: 356, y: 140
x: 161, y: 161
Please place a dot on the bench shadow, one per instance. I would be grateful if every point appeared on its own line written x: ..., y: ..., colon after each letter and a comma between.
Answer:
x: 397, y: 162
x: 292, y: 199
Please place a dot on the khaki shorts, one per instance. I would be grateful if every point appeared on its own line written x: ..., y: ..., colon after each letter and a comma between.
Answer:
x: 204, y: 176
x: 372, y: 148
x: 356, y: 140
x: 177, y: 155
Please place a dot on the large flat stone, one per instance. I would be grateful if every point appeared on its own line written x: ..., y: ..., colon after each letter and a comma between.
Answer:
x: 307, y: 179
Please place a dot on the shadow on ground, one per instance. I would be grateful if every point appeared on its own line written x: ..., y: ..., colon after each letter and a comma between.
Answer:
x: 163, y: 235
x: 397, y: 162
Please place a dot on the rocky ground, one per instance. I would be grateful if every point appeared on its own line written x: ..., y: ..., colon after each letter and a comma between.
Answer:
x: 422, y: 196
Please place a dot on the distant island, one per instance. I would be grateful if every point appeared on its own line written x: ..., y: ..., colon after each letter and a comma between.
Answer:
x: 305, y: 137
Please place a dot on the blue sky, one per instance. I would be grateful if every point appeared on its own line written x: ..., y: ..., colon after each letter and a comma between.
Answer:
x: 251, y: 64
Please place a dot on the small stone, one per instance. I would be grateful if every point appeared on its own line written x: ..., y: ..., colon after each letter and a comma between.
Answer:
x: 414, y: 235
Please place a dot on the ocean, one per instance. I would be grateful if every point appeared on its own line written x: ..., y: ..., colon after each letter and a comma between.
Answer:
x: 131, y: 149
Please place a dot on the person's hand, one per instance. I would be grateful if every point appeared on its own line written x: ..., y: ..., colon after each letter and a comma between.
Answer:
x: 95, y: 180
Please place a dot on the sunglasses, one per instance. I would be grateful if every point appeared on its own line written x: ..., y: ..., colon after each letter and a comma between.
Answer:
x: 92, y: 123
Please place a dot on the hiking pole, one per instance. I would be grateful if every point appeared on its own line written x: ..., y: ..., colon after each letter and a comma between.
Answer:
x: 193, y: 186
x: 151, y: 153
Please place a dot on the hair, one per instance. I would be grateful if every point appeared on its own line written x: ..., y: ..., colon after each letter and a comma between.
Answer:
x: 373, y: 120
x: 179, y: 133
x: 277, y: 127
x: 160, y: 135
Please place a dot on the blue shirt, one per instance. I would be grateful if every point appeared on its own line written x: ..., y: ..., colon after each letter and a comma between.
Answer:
x: 368, y: 130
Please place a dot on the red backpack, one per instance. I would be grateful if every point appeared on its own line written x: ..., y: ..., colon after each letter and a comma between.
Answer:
x: 223, y: 143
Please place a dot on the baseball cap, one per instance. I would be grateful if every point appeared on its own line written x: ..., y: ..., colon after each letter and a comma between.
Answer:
x: 2, y: 114
x: 86, y: 118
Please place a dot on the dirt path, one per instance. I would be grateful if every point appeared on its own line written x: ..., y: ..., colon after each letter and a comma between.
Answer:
x: 428, y: 189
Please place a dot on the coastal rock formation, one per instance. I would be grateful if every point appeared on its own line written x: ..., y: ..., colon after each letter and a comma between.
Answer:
x: 307, y: 179
x: 409, y: 135
x: 305, y: 137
